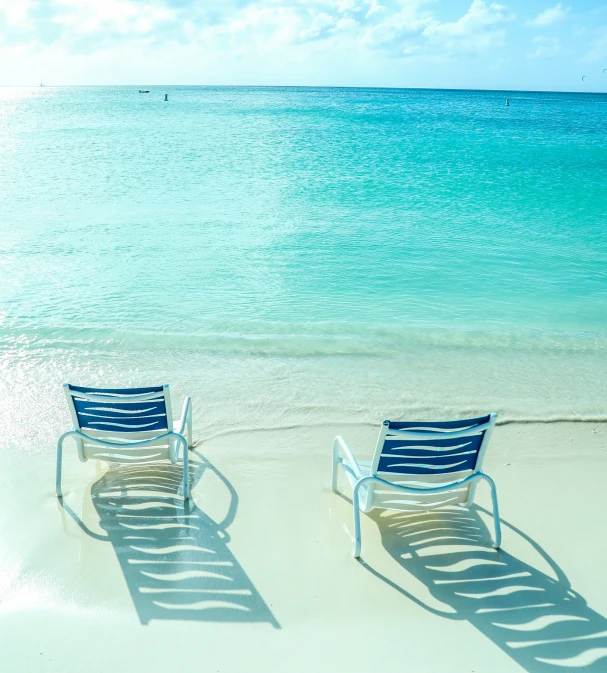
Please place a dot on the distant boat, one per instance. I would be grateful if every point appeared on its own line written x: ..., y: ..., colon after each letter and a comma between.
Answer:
x: 41, y: 84
x: 144, y: 91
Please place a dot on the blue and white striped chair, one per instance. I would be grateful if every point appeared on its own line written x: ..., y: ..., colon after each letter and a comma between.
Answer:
x: 131, y: 425
x: 419, y: 466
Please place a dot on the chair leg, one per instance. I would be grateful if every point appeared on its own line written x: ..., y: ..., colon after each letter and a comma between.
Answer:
x: 186, y: 472
x: 334, y: 475
x: 58, y: 473
x: 497, y: 543
x: 189, y: 427
x: 357, y: 534
x: 336, y: 462
x: 80, y: 449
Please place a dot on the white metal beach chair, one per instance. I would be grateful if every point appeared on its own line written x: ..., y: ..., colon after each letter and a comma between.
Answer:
x: 419, y: 466
x: 131, y: 425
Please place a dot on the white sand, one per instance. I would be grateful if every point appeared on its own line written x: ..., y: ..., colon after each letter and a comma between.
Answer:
x: 302, y: 602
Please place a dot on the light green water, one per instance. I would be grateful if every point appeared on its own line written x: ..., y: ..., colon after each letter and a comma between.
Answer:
x: 298, y: 256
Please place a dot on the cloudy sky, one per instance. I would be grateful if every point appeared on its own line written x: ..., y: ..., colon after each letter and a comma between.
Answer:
x: 513, y: 44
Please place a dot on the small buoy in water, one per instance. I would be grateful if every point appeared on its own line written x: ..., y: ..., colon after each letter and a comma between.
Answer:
x: 507, y: 103
x: 166, y: 96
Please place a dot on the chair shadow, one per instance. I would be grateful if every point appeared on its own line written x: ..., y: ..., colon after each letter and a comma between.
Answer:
x: 536, y: 619
x: 175, y: 558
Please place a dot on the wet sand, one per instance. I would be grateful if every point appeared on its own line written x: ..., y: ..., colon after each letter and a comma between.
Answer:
x: 257, y: 573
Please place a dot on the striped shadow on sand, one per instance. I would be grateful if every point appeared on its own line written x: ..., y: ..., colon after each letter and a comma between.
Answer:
x: 534, y: 617
x: 174, y: 557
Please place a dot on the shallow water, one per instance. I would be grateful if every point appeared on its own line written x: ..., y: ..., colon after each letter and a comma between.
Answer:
x: 304, y: 255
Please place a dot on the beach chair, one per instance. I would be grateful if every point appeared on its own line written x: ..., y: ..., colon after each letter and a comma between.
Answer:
x: 418, y: 466
x: 130, y: 425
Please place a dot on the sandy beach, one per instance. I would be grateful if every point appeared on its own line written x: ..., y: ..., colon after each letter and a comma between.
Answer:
x: 303, y: 262
x: 264, y: 580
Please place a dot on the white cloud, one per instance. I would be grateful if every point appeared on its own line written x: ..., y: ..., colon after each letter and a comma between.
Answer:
x: 374, y: 8
x: 598, y: 49
x: 122, y: 16
x: 279, y: 30
x: 547, y: 47
x: 394, y: 30
x: 347, y: 5
x: 255, y: 30
x: 15, y: 11
x: 549, y: 16
x: 480, y: 28
x: 322, y: 25
x: 398, y: 27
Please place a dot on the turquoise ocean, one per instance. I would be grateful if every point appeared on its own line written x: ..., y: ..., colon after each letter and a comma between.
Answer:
x: 295, y: 256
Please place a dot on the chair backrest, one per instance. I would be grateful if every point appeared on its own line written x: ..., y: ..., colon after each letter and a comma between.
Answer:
x: 426, y: 453
x: 120, y: 416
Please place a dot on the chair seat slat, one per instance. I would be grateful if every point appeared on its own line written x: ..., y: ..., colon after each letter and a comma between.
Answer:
x: 120, y: 408
x: 426, y: 453
x: 126, y: 425
x: 117, y: 391
x: 443, y: 425
x: 391, y: 466
x: 432, y: 444
x: 466, y: 457
x: 112, y: 436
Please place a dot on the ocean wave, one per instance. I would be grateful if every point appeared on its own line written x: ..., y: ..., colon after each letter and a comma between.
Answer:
x: 553, y: 419
x: 303, y: 341
x: 260, y: 429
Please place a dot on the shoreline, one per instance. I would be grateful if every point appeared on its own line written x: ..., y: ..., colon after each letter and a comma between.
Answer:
x: 303, y: 263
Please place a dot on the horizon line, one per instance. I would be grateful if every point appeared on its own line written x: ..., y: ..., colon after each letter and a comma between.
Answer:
x: 295, y: 86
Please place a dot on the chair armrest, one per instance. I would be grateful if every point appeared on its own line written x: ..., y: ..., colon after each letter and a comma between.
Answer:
x: 185, y: 422
x: 339, y: 443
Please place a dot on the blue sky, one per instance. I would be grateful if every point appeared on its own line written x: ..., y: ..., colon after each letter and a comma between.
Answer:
x: 511, y: 44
